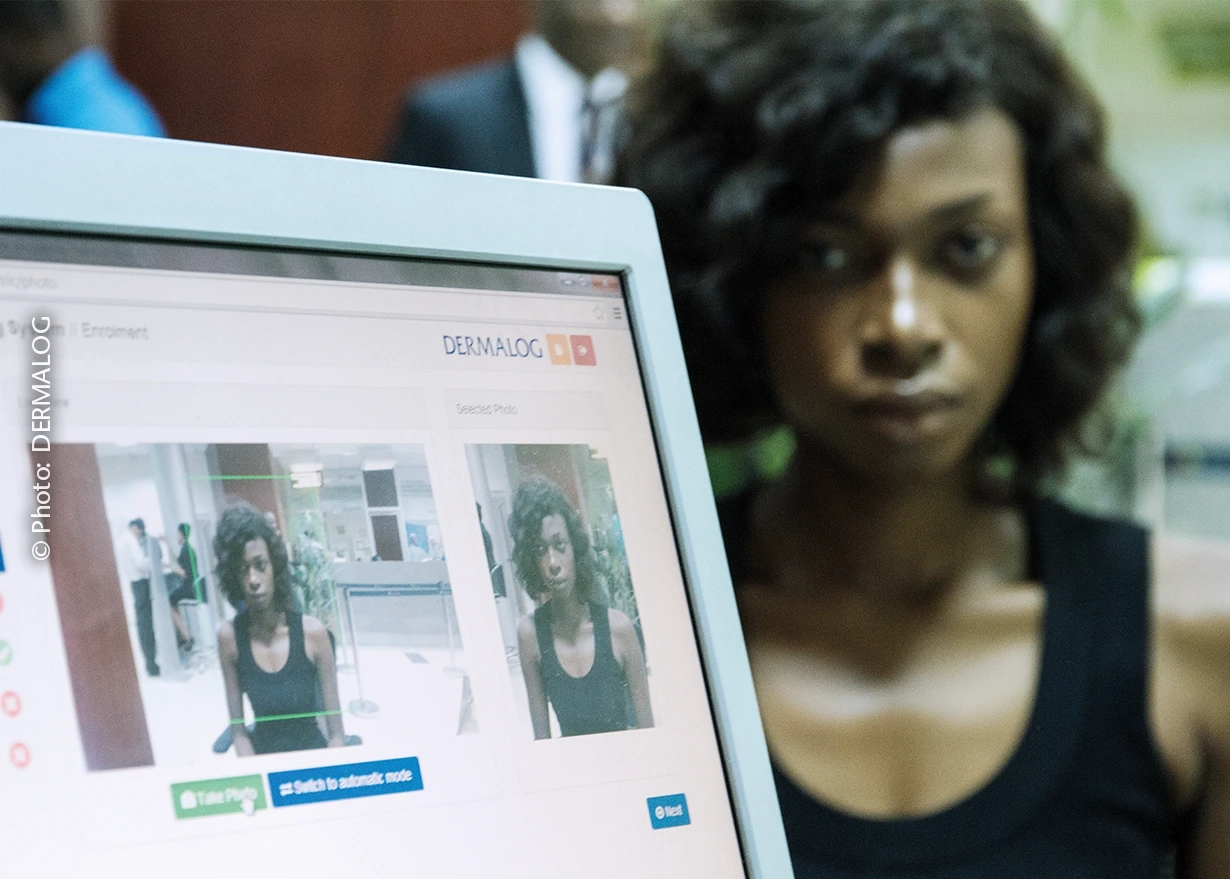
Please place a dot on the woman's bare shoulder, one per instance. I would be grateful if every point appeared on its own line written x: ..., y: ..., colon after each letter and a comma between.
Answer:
x: 620, y: 622
x: 1192, y: 580
x: 527, y: 635
x: 1191, y: 600
x: 226, y: 638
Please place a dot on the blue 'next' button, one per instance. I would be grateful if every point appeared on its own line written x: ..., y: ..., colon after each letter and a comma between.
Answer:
x: 669, y: 811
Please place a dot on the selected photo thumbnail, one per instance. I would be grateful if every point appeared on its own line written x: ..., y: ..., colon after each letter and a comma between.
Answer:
x: 562, y: 587
x: 239, y: 599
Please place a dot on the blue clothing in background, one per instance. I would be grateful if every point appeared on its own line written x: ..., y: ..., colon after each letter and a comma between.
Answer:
x: 87, y: 92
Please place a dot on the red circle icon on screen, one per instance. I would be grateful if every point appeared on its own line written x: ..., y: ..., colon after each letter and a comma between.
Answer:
x: 10, y: 704
x: 19, y: 755
x: 1, y: 604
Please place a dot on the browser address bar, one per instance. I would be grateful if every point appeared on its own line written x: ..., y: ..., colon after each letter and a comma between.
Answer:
x: 143, y: 288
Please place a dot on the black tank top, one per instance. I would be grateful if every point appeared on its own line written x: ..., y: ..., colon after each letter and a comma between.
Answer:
x: 1084, y: 796
x: 292, y: 690
x: 596, y: 703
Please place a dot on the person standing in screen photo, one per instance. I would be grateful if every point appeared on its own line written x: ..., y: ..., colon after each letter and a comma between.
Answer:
x: 185, y: 585
x: 133, y: 553
x: 282, y: 660
x: 891, y: 227
x: 579, y: 656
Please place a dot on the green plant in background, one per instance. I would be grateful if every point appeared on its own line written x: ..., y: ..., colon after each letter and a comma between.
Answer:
x: 612, y: 563
x: 309, y: 574
x: 735, y: 466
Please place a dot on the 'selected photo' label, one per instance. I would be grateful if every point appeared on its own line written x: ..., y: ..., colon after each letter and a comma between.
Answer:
x: 562, y: 587
x: 223, y: 600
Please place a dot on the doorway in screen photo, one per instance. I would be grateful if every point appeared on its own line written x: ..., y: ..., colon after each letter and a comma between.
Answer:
x: 562, y: 588
x: 239, y: 599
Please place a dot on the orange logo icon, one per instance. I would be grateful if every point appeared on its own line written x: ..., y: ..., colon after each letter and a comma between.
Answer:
x: 557, y: 347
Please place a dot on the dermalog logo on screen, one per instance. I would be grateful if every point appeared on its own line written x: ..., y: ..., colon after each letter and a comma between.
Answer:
x: 492, y: 346
x: 562, y: 350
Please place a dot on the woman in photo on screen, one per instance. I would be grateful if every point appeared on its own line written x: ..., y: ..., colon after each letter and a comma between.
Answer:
x: 280, y: 658
x: 578, y: 655
x: 891, y: 227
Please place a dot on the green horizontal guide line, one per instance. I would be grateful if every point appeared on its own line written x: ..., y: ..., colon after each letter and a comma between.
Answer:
x: 290, y: 716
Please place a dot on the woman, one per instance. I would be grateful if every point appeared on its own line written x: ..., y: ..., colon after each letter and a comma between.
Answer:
x: 577, y: 654
x: 890, y: 226
x: 280, y: 658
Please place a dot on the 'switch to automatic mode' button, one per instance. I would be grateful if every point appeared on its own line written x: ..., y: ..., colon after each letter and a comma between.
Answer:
x: 346, y: 782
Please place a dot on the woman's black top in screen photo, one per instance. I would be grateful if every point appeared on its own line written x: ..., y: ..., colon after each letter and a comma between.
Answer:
x: 290, y: 694
x: 595, y: 703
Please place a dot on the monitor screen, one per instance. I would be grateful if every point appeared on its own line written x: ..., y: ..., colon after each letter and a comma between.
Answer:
x: 320, y: 562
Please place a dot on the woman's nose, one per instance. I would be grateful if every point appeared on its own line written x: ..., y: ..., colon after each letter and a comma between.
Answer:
x: 901, y: 334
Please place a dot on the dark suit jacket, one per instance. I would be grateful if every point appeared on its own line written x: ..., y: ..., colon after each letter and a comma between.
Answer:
x: 473, y: 120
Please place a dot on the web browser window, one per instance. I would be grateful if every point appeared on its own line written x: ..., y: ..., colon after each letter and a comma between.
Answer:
x: 328, y: 563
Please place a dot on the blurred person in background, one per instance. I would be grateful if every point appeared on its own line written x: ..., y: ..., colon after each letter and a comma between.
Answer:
x: 891, y: 226
x: 49, y: 77
x: 550, y: 111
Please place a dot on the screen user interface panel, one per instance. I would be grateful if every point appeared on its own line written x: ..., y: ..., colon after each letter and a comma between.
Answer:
x: 338, y: 562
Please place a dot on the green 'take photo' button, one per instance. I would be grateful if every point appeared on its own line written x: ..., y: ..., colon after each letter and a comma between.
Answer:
x: 243, y: 794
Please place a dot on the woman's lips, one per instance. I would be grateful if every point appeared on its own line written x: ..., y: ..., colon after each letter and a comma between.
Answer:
x: 909, y: 417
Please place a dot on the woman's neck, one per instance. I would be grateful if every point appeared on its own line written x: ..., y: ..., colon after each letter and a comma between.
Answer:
x: 262, y: 624
x: 826, y: 528
x: 568, y: 612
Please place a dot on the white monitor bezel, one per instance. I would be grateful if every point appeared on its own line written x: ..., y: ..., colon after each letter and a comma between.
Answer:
x: 69, y: 181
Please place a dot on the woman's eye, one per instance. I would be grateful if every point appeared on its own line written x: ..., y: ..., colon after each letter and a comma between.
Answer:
x: 970, y: 250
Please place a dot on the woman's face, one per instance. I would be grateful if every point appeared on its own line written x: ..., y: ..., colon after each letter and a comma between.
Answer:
x: 257, y: 574
x: 892, y: 345
x: 556, y: 563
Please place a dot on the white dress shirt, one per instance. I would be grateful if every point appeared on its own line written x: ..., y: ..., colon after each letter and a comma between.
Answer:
x: 134, y: 563
x: 555, y: 95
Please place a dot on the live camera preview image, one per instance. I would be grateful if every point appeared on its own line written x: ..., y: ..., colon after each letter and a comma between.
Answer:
x: 234, y: 599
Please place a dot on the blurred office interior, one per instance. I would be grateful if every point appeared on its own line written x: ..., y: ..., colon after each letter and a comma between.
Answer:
x: 327, y: 76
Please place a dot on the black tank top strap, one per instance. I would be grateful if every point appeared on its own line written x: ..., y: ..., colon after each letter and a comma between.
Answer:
x: 1118, y: 751
x: 243, y: 641
x: 294, y: 627
x: 547, y: 660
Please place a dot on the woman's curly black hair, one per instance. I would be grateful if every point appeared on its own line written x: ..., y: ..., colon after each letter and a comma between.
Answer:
x: 536, y: 499
x: 760, y: 111
x: 240, y: 524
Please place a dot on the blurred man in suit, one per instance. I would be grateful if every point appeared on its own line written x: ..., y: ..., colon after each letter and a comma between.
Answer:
x: 49, y: 76
x: 550, y: 111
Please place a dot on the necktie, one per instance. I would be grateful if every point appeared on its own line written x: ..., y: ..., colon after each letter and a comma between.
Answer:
x: 599, y: 121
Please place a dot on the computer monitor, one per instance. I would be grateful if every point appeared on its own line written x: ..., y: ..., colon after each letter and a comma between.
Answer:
x: 356, y: 521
